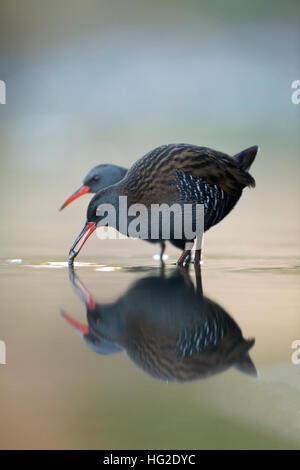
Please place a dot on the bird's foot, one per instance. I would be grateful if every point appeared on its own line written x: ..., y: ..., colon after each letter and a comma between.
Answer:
x: 182, y: 259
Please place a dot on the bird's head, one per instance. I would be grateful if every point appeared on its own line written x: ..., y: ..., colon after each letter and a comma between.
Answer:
x: 97, y: 179
x: 102, y: 210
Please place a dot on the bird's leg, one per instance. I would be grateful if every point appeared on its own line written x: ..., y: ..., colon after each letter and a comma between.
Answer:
x: 186, y: 252
x: 162, y: 250
x: 183, y: 256
x: 197, y: 259
x: 188, y: 259
x: 199, y: 242
x: 199, y: 289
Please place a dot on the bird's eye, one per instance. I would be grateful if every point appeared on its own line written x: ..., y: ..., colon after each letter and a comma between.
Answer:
x: 96, y: 178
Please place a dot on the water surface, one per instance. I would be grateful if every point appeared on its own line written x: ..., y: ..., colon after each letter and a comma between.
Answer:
x: 143, y: 381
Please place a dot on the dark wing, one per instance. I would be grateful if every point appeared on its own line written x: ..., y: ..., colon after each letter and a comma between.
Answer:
x: 214, y: 168
x: 153, y: 178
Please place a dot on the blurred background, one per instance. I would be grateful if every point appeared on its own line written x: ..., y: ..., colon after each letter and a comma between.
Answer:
x: 106, y: 81
x: 97, y: 81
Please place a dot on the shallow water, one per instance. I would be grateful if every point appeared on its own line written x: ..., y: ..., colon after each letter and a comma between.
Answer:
x: 152, y: 385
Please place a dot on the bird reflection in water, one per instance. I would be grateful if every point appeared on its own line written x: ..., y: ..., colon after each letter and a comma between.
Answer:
x: 167, y: 327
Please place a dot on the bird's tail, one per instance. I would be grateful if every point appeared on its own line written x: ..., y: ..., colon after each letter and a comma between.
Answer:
x: 244, y: 363
x: 246, y: 157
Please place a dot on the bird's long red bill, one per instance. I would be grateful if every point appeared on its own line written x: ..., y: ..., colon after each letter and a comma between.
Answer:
x: 79, y: 192
x: 80, y: 327
x: 85, y: 233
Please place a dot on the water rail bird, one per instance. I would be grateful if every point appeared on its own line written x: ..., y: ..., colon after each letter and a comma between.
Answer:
x: 181, y: 174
